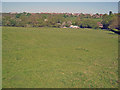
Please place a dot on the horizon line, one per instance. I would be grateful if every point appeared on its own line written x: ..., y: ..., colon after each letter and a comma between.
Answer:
x: 55, y: 12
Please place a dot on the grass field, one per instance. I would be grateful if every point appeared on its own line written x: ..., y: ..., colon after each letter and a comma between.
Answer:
x: 59, y: 58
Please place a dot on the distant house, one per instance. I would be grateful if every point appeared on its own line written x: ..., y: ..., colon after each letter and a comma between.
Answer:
x: 71, y: 26
x: 13, y: 12
x: 64, y: 27
x: 32, y: 13
x: 96, y: 16
x: 101, y: 15
x: 45, y: 20
x: 100, y: 24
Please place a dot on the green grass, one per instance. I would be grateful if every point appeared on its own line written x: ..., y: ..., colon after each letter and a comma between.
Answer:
x: 59, y: 58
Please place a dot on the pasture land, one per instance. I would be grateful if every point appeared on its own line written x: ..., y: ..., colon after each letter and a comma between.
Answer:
x: 59, y: 58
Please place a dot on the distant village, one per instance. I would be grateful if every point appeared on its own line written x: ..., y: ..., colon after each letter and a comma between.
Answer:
x: 60, y: 20
x: 69, y: 14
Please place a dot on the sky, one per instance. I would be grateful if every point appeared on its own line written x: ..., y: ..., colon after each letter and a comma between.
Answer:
x: 59, y: 0
x: 60, y: 7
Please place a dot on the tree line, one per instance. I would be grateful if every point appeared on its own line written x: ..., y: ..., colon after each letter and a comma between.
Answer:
x: 60, y: 20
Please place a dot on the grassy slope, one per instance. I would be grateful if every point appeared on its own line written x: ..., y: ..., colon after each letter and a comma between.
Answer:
x: 51, y: 57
